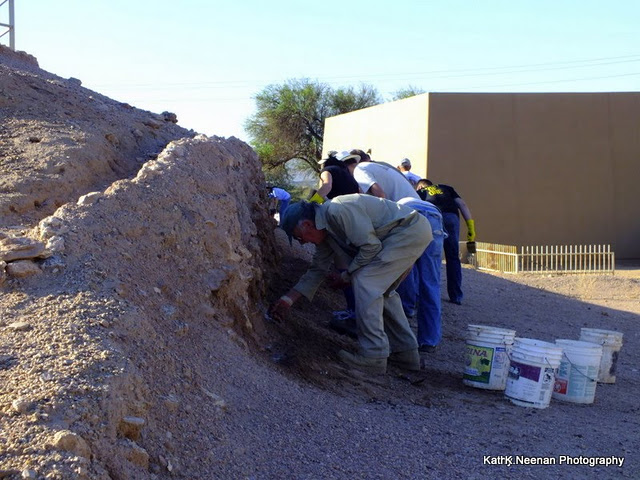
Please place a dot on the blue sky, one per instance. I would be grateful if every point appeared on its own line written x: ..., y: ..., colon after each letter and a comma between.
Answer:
x: 206, y: 59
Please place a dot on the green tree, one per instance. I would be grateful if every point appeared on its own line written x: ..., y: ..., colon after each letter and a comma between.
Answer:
x: 407, y: 92
x: 289, y: 119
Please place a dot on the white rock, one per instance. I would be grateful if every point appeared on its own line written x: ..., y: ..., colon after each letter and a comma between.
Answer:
x: 28, y: 474
x: 55, y: 244
x: 89, y: 198
x: 19, y: 326
x: 51, y: 226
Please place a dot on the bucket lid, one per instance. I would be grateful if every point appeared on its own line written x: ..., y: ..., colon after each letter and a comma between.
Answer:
x: 603, y: 337
x: 579, y: 346
x: 534, y: 342
x: 600, y: 333
x: 488, y: 329
x: 541, y: 358
x: 532, y: 346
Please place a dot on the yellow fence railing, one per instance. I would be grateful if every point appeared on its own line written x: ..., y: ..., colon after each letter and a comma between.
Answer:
x: 543, y: 259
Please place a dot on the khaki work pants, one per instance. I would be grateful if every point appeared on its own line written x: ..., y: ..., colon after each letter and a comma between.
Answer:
x: 383, y: 327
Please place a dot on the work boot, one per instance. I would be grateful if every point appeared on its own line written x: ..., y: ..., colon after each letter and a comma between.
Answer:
x: 427, y: 348
x: 407, y: 360
x: 366, y: 364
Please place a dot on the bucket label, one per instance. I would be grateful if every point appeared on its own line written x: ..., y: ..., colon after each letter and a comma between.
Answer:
x: 560, y: 386
x: 522, y: 370
x: 478, y: 364
x: 530, y: 384
x: 577, y: 382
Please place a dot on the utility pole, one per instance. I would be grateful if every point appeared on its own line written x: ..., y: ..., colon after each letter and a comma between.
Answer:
x: 11, y: 26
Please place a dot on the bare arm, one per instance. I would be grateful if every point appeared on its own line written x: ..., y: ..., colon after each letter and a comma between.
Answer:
x: 326, y: 184
x: 466, y: 213
x: 377, y: 191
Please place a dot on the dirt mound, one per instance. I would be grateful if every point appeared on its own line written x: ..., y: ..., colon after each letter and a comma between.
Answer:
x: 61, y: 140
x: 107, y: 301
x: 136, y: 263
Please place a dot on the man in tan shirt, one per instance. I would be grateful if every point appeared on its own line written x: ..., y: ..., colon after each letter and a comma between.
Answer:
x: 380, y: 240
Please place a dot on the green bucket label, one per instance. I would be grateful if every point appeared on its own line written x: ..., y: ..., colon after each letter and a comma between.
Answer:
x: 478, y: 364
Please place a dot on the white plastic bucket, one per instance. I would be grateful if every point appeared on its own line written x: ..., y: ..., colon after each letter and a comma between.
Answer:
x: 532, y: 372
x: 577, y: 376
x: 487, y: 356
x: 611, y: 342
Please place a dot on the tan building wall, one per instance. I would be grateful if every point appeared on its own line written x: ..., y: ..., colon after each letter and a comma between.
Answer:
x: 390, y: 141
x: 535, y: 169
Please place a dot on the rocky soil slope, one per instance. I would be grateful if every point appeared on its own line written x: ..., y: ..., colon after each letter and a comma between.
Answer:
x: 137, y: 261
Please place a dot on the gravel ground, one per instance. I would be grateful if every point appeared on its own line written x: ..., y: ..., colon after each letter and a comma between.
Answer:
x: 430, y: 425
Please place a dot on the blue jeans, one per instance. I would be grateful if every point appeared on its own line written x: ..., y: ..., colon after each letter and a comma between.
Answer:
x: 452, y: 257
x: 420, y: 291
x: 283, y: 206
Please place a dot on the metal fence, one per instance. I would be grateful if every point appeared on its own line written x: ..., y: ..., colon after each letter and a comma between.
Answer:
x: 544, y: 259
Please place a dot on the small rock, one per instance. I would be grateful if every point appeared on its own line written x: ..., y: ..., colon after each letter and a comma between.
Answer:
x: 19, y: 326
x: 19, y: 248
x: 55, y: 244
x: 130, y: 427
x: 28, y: 474
x: 152, y: 124
x: 74, y: 82
x: 170, y: 117
x: 171, y: 403
x: 89, y: 198
x: 53, y: 264
x: 138, y: 456
x: 112, y: 138
x: 218, y: 401
x: 22, y: 268
x: 182, y: 328
x: 71, y: 442
x: 51, y: 226
x: 35, y: 139
x: 22, y: 405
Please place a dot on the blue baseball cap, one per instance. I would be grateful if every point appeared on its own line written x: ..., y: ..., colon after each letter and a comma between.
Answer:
x: 293, y: 214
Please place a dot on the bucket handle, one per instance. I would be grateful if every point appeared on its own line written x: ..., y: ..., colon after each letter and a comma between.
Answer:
x: 546, y: 359
x: 577, y: 370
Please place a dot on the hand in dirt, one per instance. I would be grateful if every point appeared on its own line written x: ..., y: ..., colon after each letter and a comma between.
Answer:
x: 279, y: 310
x: 337, y: 281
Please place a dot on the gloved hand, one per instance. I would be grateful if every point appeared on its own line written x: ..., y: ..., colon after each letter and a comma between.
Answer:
x: 471, y: 231
x: 337, y: 280
x: 316, y: 198
x: 279, y: 310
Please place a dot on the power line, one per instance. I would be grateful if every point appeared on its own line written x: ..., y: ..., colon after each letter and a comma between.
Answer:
x: 454, y: 73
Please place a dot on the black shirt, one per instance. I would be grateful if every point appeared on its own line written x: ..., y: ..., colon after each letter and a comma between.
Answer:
x: 342, y: 182
x: 442, y: 196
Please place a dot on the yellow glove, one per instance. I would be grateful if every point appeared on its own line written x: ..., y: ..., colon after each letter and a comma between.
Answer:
x: 471, y: 231
x: 316, y: 198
